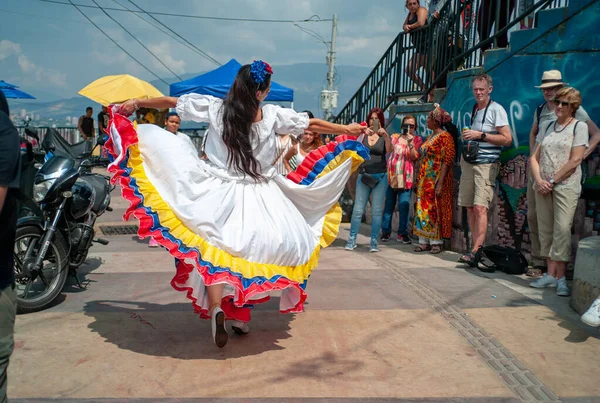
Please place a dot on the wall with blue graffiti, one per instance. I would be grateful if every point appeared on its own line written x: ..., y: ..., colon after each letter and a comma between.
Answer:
x: 570, y: 45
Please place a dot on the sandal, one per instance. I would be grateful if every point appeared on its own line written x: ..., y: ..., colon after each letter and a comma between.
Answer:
x: 535, y: 271
x: 467, y: 258
x: 422, y: 248
x: 435, y: 249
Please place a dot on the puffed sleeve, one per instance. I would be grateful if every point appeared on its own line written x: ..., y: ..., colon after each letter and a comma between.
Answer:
x: 195, y: 107
x: 288, y: 121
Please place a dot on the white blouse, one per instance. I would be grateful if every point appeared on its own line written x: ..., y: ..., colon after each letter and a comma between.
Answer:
x: 276, y: 120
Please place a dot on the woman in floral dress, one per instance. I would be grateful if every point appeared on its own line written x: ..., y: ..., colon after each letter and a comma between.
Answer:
x: 433, y: 215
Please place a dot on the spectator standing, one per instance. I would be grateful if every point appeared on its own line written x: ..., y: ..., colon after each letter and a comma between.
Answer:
x: 482, y: 144
x: 488, y: 17
x: 86, y: 125
x: 309, y: 141
x: 544, y: 114
x: 416, y: 18
x: 433, y: 214
x: 372, y: 180
x: 9, y: 183
x: 400, y: 169
x: 556, y: 168
x: 103, y: 118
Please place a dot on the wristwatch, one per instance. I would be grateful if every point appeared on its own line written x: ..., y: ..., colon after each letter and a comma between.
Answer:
x: 552, y: 181
x: 483, y: 136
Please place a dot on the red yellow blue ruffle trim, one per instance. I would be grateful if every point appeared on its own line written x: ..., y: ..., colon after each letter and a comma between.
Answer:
x: 251, y: 280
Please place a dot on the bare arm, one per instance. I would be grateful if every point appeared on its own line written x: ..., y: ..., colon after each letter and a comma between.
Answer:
x: 542, y: 186
x: 421, y: 19
x: 387, y: 139
x: 79, y: 127
x: 157, y: 103
x: 288, y: 156
x: 3, y: 192
x: 569, y: 168
x: 324, y: 127
x: 594, y: 138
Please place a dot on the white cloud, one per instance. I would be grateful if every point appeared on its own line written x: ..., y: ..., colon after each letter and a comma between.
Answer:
x: 163, y: 51
x: 30, y: 69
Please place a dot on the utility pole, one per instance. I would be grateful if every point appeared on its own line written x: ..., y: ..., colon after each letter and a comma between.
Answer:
x: 329, y: 96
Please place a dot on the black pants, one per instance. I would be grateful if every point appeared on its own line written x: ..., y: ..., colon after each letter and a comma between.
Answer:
x: 488, y: 15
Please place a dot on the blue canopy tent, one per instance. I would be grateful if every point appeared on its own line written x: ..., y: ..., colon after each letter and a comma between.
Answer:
x: 218, y: 81
x: 12, y: 91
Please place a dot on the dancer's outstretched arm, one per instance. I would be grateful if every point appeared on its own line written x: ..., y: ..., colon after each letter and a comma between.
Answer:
x: 157, y: 103
x: 324, y: 127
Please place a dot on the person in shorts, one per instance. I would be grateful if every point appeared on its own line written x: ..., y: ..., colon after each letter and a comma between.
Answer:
x: 482, y: 144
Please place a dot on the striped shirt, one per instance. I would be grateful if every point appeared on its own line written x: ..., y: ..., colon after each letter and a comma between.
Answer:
x: 495, y: 117
x: 282, y: 146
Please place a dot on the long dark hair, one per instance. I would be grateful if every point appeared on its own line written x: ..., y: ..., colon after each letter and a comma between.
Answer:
x: 239, y: 111
x: 453, y: 130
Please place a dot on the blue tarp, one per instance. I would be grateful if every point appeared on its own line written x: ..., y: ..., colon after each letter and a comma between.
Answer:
x: 218, y: 81
x: 12, y: 91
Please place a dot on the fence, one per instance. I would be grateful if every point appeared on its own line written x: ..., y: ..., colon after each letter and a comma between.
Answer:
x: 419, y: 61
x: 72, y: 135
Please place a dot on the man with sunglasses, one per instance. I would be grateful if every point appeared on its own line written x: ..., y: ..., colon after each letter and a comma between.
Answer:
x: 543, y: 115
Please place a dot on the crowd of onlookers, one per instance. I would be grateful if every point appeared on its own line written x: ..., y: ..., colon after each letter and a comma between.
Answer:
x: 401, y: 164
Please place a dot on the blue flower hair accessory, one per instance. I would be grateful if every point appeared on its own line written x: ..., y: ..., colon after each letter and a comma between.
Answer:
x: 259, y: 70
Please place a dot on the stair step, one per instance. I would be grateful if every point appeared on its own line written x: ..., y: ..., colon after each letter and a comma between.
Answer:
x: 549, y: 18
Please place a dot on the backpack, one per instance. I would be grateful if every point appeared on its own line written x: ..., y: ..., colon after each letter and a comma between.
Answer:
x: 538, y: 113
x: 495, y: 257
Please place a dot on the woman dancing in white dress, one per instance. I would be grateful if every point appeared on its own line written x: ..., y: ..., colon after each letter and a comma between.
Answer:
x: 238, y: 230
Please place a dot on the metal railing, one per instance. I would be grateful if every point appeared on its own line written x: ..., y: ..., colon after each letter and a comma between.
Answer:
x: 419, y: 61
x: 72, y: 135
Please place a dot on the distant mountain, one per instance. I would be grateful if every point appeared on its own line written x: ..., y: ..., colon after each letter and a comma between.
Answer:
x: 307, y: 80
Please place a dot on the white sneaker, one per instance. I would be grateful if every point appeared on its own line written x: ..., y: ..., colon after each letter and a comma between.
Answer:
x: 240, y: 328
x: 562, y: 290
x: 591, y: 317
x: 546, y: 281
x: 219, y: 332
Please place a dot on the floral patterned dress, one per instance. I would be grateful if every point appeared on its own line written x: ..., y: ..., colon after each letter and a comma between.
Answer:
x: 433, y: 215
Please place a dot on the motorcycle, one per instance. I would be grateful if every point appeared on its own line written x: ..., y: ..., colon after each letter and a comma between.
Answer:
x: 54, y: 238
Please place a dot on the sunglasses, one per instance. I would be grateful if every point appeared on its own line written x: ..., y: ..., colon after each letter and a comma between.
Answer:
x: 408, y: 126
x: 563, y: 103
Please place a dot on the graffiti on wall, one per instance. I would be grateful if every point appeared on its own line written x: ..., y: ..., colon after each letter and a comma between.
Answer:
x: 514, y: 89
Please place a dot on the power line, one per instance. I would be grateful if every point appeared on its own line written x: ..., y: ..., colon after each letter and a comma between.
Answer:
x: 200, y: 51
x: 138, y: 41
x: 314, y: 18
x: 159, y: 28
x: 116, y: 43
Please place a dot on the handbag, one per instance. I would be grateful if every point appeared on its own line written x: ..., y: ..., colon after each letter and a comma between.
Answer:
x: 369, y: 180
x: 470, y: 149
x: 496, y: 257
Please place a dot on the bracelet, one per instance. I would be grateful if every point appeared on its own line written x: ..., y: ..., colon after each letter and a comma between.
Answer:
x: 135, y: 104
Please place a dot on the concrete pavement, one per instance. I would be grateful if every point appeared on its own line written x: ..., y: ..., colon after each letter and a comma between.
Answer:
x: 390, y: 326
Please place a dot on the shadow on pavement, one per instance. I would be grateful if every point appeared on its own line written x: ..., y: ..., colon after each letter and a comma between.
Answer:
x: 173, y: 330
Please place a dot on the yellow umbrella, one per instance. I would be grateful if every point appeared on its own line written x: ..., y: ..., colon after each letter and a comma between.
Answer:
x: 117, y: 89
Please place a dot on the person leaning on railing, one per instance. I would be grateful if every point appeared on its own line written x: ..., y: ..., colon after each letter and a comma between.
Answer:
x: 556, y: 168
x: 416, y: 18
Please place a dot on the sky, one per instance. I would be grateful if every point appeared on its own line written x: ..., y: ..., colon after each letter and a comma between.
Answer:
x: 54, y: 50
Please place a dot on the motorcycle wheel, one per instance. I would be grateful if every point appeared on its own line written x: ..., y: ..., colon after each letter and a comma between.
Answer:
x: 36, y: 293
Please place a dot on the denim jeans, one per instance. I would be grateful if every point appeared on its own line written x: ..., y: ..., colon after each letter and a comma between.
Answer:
x: 403, y: 197
x: 363, y: 192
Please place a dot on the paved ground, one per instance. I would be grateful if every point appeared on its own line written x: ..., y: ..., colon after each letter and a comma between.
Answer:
x: 392, y: 326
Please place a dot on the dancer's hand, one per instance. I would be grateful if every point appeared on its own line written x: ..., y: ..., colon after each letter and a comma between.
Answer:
x: 355, y: 129
x: 128, y: 107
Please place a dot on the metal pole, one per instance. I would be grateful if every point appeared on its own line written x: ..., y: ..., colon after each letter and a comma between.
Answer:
x: 331, y: 62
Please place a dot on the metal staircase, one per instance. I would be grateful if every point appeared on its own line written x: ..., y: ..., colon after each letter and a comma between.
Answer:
x: 457, y: 39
